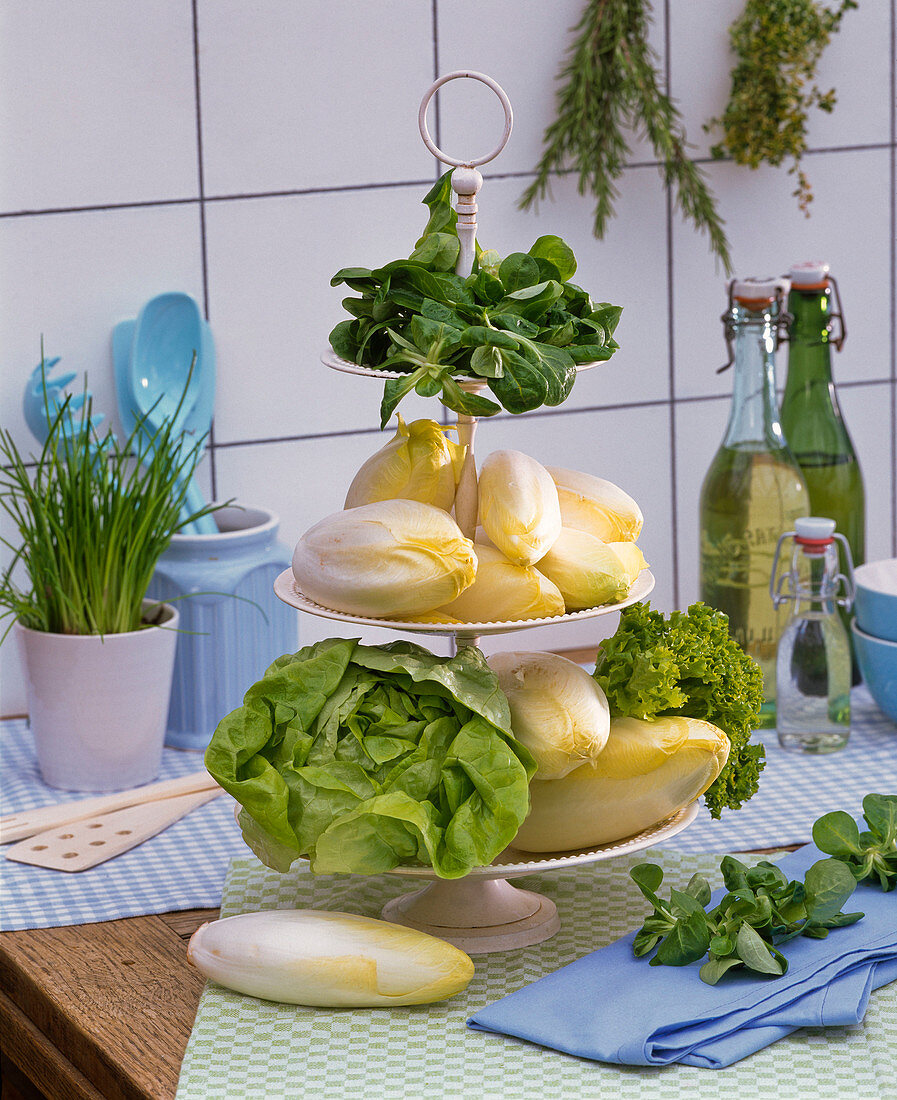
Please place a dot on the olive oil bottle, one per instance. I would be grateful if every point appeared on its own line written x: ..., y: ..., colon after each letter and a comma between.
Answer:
x: 754, y: 489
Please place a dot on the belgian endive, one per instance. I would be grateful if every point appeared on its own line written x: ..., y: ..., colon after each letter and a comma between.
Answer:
x: 558, y: 711
x: 592, y: 504
x: 385, y: 560
x: 419, y: 463
x: 589, y: 572
x: 504, y: 592
x: 518, y: 506
x: 328, y: 960
x: 647, y: 771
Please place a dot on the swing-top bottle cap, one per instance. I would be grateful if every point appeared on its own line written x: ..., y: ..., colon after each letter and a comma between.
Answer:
x: 809, y: 275
x: 814, y: 531
x: 755, y: 292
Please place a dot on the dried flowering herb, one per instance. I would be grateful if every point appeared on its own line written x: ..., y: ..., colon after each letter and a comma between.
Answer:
x: 778, y: 44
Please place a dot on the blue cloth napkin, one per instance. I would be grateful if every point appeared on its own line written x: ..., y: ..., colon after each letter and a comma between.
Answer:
x: 612, y: 1007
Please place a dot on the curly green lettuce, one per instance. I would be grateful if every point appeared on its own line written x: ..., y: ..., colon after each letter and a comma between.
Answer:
x: 688, y: 665
x: 364, y: 758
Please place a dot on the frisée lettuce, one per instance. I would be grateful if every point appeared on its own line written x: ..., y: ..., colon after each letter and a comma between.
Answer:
x: 687, y: 664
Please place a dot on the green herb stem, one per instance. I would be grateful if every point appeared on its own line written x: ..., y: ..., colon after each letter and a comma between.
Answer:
x: 92, y: 518
x: 778, y: 44
x: 610, y: 84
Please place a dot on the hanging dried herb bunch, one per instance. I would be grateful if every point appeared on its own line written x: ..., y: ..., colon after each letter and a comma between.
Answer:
x: 778, y: 44
x: 611, y: 84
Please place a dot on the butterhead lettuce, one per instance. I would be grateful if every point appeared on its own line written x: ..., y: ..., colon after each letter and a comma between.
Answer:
x: 363, y: 758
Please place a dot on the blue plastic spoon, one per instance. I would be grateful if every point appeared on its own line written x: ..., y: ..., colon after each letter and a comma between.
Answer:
x: 152, y: 360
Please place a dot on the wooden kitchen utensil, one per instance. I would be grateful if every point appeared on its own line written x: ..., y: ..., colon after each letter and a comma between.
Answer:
x: 93, y: 840
x: 29, y: 822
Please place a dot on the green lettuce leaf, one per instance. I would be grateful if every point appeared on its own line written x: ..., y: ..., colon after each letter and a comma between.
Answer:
x: 364, y: 758
x: 688, y: 665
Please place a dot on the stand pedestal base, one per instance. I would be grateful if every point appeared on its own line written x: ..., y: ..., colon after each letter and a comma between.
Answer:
x: 478, y: 915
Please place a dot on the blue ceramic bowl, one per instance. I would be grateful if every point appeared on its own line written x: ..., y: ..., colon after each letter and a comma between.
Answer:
x: 875, y: 604
x: 877, y: 659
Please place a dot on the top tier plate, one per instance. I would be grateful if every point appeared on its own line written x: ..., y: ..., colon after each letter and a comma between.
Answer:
x: 330, y: 359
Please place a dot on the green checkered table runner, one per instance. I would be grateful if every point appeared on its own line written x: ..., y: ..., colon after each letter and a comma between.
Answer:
x: 243, y: 1049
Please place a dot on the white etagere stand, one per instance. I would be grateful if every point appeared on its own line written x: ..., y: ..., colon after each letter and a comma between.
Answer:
x: 481, y: 912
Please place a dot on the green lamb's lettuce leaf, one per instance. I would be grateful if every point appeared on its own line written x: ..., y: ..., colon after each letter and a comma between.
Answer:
x: 870, y: 854
x: 688, y: 665
x: 516, y: 322
x: 362, y: 758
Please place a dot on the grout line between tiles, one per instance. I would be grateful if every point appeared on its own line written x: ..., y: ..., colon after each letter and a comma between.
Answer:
x: 671, y: 341
x: 498, y: 419
x: 623, y: 406
x: 893, y: 276
x: 203, y: 244
x: 444, y: 412
x: 348, y: 188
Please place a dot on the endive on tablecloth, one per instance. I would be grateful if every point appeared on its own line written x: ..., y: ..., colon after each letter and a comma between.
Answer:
x: 328, y: 960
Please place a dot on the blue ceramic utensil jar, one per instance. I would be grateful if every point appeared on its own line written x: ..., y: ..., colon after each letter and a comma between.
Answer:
x: 232, y: 625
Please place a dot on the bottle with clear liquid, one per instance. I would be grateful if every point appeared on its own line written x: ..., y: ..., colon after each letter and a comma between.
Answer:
x: 754, y: 488
x: 811, y: 415
x: 813, y: 663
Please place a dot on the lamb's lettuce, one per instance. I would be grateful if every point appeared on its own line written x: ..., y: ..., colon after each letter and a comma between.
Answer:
x: 363, y: 758
x: 515, y: 323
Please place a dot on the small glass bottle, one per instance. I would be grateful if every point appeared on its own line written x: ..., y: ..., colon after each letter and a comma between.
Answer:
x: 813, y: 661
x: 811, y: 415
x: 753, y: 489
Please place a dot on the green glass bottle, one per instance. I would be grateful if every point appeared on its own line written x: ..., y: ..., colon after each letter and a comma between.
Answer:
x: 754, y: 489
x: 811, y: 417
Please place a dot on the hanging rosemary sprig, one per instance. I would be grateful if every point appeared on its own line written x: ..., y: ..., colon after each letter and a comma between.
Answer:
x: 778, y: 44
x: 610, y: 82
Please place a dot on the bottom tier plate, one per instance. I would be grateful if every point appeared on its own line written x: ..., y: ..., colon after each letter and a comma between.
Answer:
x: 483, y: 912
x: 512, y: 863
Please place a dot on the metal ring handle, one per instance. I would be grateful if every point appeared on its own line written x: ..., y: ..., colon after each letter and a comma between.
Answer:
x: 425, y: 103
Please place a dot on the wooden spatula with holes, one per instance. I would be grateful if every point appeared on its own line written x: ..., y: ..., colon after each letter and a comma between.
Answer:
x: 28, y: 822
x: 81, y: 844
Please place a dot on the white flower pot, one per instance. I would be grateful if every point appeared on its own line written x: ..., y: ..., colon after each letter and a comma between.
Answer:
x: 98, y: 706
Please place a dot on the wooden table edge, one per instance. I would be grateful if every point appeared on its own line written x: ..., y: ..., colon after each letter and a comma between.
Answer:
x: 99, y: 1061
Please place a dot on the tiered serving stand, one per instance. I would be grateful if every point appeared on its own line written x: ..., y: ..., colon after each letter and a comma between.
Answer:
x: 481, y: 912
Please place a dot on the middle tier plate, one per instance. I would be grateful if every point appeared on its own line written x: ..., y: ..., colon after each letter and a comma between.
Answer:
x: 286, y: 589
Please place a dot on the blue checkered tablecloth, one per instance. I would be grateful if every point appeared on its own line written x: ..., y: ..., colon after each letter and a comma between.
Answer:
x: 182, y: 868
x: 185, y: 866
x: 796, y: 788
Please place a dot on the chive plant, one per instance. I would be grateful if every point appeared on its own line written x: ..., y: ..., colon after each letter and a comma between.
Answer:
x: 93, y: 517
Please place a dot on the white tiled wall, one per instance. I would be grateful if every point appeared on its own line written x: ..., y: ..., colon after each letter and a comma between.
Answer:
x: 244, y: 152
